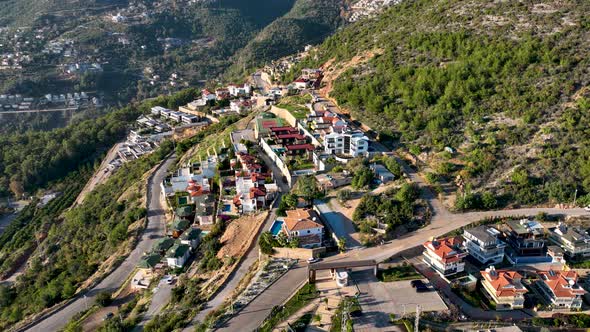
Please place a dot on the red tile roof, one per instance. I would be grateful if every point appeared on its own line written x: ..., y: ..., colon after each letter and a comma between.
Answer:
x: 270, y: 123
x: 296, y: 136
x: 446, y: 249
x: 506, y: 283
x: 308, y: 147
x: 562, y: 283
x: 285, y: 128
x: 257, y: 192
x: 301, y: 219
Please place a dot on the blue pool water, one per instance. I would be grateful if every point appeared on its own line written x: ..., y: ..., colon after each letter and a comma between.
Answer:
x: 226, y: 208
x: 276, y: 227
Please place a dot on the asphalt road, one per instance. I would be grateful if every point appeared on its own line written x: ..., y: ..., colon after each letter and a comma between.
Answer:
x: 156, y: 226
x: 230, y: 285
x: 160, y: 299
x: 443, y: 221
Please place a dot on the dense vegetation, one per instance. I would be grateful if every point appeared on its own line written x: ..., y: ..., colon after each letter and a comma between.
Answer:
x: 77, y: 244
x: 392, y: 208
x: 66, y: 248
x: 208, y: 38
x: 33, y: 160
x: 22, y: 235
x: 308, y: 22
x: 502, y: 84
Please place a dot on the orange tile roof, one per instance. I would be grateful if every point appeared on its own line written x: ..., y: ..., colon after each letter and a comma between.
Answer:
x: 559, y: 283
x: 506, y: 283
x: 301, y: 219
x: 446, y: 249
x: 257, y: 192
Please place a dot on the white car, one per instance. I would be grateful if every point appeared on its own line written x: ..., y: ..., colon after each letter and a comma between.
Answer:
x: 313, y: 260
x: 587, y: 208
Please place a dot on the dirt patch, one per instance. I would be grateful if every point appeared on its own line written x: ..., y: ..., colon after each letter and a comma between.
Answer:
x: 332, y: 73
x: 236, y: 238
x: 100, y: 176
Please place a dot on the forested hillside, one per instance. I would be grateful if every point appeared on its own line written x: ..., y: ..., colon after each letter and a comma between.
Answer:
x: 33, y: 160
x: 505, y: 84
x: 308, y: 22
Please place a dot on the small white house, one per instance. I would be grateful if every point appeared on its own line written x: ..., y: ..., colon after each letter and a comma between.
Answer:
x: 177, y: 255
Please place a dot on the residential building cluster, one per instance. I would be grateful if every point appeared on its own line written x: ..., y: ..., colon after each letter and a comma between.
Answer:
x: 513, y: 244
x: 255, y: 186
x: 18, y: 102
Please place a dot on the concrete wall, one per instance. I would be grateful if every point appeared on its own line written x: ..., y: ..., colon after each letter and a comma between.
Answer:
x: 285, y: 114
x: 277, y: 161
x: 306, y: 132
x: 199, y: 113
x: 299, y: 253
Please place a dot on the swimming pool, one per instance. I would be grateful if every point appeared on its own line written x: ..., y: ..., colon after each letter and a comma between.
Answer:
x: 276, y: 227
x: 226, y: 208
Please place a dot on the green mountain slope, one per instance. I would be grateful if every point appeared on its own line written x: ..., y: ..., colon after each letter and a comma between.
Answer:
x: 308, y: 22
x: 503, y: 83
x: 25, y: 12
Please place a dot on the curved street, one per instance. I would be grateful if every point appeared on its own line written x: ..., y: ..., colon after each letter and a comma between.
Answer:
x: 442, y: 222
x: 154, y: 230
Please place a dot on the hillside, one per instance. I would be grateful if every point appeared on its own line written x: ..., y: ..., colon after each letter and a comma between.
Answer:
x: 308, y: 22
x: 25, y: 12
x: 504, y: 84
x: 145, y: 48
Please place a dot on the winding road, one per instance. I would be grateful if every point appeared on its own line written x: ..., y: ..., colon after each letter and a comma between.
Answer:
x: 442, y: 222
x: 155, y: 229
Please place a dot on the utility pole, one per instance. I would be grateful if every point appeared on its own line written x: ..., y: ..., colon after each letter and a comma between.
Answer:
x: 575, y: 196
x: 417, y: 323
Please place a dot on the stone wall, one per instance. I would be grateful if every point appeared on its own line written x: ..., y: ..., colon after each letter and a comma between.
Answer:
x: 285, y: 114
x: 299, y: 253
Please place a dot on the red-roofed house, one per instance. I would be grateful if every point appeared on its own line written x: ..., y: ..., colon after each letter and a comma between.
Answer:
x: 207, y: 95
x: 301, y: 83
x: 222, y: 94
x: 303, y: 224
x: 504, y: 287
x: 299, y: 149
x: 287, y: 139
x: 445, y: 256
x: 284, y: 130
x: 561, y: 288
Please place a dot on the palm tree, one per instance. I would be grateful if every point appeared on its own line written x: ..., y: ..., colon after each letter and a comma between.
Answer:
x: 342, y: 244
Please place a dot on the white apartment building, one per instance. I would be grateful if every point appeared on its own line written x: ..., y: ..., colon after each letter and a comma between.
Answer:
x: 351, y: 144
x: 445, y: 256
x: 482, y: 243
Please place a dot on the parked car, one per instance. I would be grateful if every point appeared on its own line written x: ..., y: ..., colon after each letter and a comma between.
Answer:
x: 313, y: 260
x: 587, y: 208
x: 169, y: 279
x: 108, y: 316
x: 420, y: 286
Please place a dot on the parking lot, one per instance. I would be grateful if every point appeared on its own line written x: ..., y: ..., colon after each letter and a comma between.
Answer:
x: 379, y: 299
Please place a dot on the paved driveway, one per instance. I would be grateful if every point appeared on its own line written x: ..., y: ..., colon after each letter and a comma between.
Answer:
x: 379, y: 299
x: 339, y: 223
